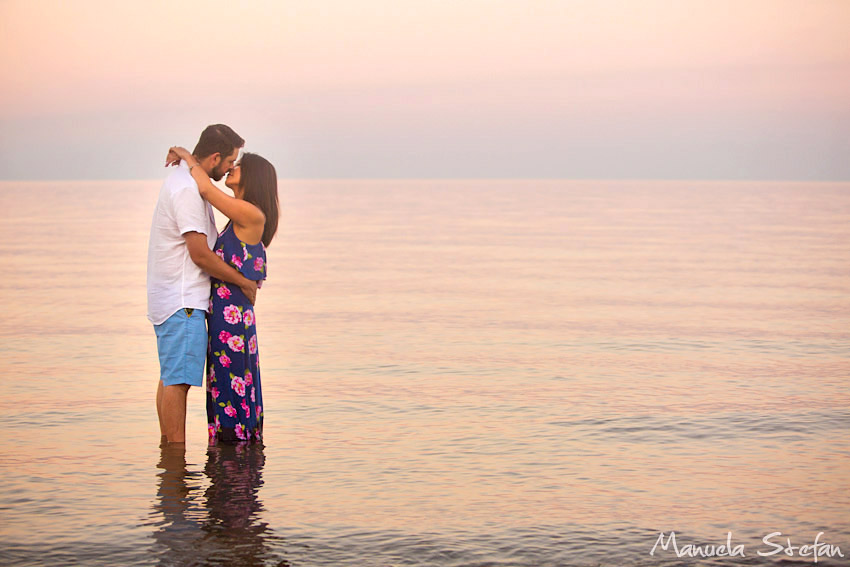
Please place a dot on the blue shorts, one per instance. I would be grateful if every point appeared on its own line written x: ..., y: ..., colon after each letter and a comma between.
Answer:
x: 182, y: 344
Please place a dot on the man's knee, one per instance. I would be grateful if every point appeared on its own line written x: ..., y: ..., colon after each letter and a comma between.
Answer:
x: 176, y: 390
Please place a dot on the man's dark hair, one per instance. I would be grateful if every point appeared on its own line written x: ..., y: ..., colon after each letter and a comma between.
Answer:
x: 217, y: 138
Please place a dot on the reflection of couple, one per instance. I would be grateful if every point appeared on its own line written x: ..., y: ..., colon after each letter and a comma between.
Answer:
x: 187, y: 258
x: 222, y: 525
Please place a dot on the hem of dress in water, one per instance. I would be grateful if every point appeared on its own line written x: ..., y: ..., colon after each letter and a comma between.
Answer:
x: 229, y: 436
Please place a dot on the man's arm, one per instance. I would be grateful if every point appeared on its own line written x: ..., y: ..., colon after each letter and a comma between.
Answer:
x: 206, y: 259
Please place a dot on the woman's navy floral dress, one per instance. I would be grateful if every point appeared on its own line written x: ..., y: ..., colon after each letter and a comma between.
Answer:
x: 234, y: 395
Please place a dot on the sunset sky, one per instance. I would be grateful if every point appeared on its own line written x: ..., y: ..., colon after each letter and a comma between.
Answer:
x: 689, y: 89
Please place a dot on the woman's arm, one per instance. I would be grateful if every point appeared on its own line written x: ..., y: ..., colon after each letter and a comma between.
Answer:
x: 242, y: 213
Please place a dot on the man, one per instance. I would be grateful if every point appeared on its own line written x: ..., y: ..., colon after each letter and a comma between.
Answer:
x: 180, y: 263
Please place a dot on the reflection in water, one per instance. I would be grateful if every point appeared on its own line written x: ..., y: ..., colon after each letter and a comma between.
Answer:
x: 179, y: 532
x: 232, y: 525
x: 218, y: 526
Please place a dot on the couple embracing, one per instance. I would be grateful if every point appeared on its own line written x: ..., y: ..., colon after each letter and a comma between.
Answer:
x: 202, y: 285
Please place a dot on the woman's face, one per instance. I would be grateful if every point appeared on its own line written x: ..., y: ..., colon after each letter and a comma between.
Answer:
x: 232, y: 179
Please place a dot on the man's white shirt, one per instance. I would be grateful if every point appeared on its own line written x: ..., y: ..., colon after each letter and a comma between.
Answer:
x: 174, y: 281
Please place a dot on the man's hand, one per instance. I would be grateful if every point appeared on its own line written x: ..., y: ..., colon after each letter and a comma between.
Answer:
x: 206, y: 259
x: 250, y: 290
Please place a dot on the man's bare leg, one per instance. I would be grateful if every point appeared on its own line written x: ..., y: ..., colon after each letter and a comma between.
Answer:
x: 159, y: 390
x: 174, y: 412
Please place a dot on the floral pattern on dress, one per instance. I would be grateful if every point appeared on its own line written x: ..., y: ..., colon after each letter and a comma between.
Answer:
x: 234, y: 394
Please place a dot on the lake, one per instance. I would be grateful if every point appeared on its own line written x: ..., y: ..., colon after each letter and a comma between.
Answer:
x: 455, y: 372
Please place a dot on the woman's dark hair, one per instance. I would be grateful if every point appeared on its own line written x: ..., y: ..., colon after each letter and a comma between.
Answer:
x: 217, y: 138
x: 258, y: 181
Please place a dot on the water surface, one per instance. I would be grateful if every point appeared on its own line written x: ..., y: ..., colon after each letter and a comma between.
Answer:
x: 455, y: 373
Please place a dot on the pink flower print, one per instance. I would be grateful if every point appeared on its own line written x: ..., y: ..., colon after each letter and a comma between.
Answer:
x: 240, y: 431
x: 238, y: 385
x: 246, y: 409
x: 220, y: 253
x: 253, y: 398
x: 223, y: 292
x: 224, y: 360
x: 230, y: 410
x: 232, y: 314
x: 210, y: 305
x: 249, y: 378
x: 223, y: 336
x: 259, y: 263
x: 211, y: 429
x: 259, y: 411
x: 214, y: 392
x: 248, y: 317
x: 236, y: 343
x: 252, y: 345
x: 236, y: 261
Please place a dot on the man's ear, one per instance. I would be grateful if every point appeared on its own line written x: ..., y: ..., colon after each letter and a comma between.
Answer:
x: 216, y: 159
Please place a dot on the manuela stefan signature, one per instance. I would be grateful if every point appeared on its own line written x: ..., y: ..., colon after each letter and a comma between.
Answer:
x: 773, y: 542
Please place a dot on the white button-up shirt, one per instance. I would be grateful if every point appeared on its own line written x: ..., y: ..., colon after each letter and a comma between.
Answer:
x: 174, y: 280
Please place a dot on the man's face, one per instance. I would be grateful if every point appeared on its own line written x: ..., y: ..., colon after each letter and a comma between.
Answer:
x: 225, y: 165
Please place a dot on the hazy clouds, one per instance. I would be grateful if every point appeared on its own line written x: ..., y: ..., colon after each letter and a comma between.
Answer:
x: 379, y: 88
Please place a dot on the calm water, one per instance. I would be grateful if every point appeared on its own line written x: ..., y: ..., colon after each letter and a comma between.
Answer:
x: 458, y: 373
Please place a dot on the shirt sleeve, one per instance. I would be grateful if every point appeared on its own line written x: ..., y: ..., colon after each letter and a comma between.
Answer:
x: 190, y: 211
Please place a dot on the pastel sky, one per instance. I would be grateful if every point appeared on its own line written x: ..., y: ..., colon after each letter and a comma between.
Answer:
x: 685, y: 89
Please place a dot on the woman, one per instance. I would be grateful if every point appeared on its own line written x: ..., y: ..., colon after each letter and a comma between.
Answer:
x: 234, y: 395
